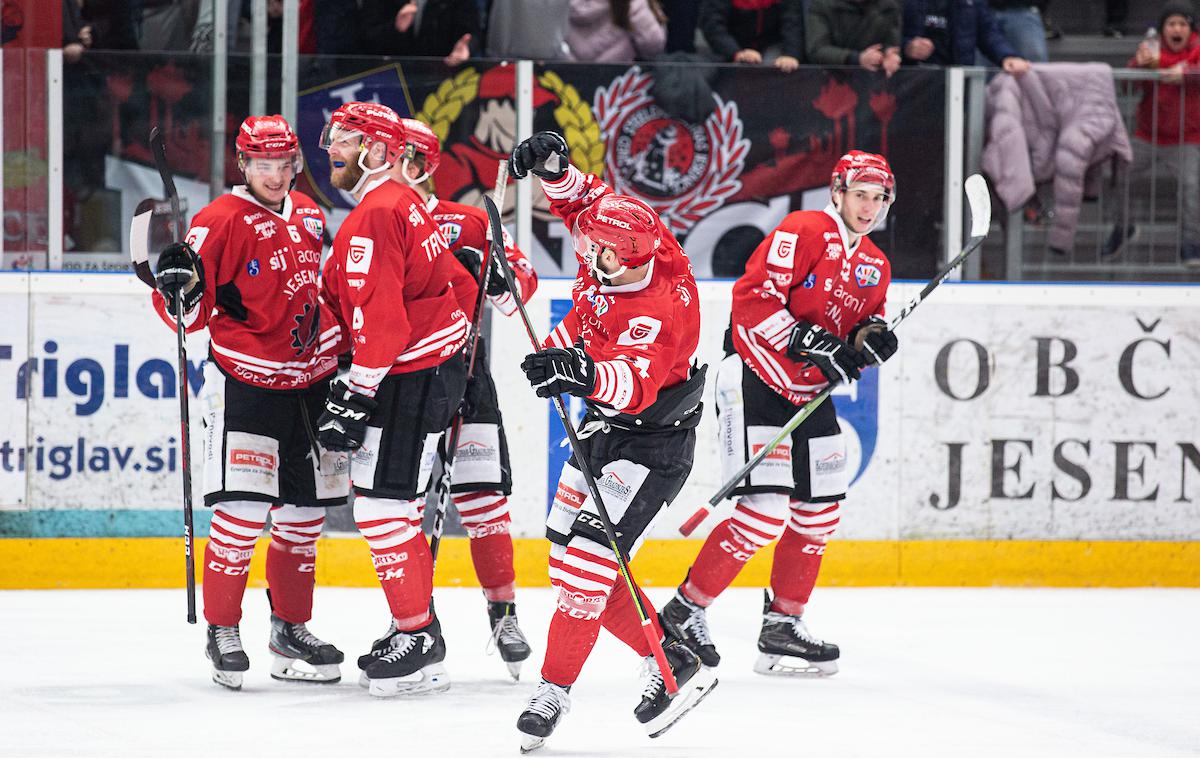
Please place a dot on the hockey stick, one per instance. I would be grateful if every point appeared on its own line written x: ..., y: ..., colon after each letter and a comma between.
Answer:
x: 159, y: 149
x: 441, y: 489
x: 980, y: 203
x: 622, y: 565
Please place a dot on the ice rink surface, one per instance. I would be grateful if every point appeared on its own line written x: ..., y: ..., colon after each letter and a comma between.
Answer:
x: 925, y: 672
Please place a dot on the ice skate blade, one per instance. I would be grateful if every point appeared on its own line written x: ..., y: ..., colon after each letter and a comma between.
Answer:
x: 689, y: 696
x: 514, y: 669
x: 432, y: 678
x: 228, y: 679
x: 769, y: 664
x: 285, y: 670
x: 364, y: 681
x: 529, y: 743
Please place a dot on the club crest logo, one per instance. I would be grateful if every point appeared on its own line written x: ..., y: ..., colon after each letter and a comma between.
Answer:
x: 684, y: 171
x: 866, y: 275
x: 314, y: 226
x: 451, y: 232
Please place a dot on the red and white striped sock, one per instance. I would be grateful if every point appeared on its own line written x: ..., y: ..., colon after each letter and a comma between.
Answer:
x: 401, y: 556
x: 584, y: 573
x: 485, y: 517
x: 798, y: 555
x: 621, y: 619
x: 235, y: 528
x: 292, y: 560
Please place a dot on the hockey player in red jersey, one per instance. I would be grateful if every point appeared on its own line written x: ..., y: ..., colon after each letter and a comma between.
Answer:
x: 626, y: 347
x: 402, y: 302
x: 249, y: 271
x: 482, y: 471
x: 807, y: 313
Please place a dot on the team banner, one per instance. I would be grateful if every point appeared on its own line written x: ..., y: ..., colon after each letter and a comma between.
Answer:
x: 1005, y: 414
x: 721, y: 152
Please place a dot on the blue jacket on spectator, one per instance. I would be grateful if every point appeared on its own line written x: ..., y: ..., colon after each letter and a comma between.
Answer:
x: 971, y: 25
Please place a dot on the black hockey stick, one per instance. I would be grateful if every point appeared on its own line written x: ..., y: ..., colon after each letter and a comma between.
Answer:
x: 622, y: 565
x: 185, y: 444
x: 441, y: 488
x: 980, y: 203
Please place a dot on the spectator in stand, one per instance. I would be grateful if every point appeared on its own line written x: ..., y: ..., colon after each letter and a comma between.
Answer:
x: 169, y: 24
x: 947, y: 32
x: 77, y: 34
x: 755, y: 31
x: 1167, y: 133
x: 1115, y: 13
x: 615, y: 31
x: 112, y: 24
x: 1020, y: 22
x: 535, y: 29
x: 862, y: 33
x: 447, y: 29
x: 681, y: 25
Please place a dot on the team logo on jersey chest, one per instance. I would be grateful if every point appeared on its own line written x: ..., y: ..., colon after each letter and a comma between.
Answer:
x: 314, y: 226
x: 866, y: 275
x: 451, y: 231
x: 252, y: 267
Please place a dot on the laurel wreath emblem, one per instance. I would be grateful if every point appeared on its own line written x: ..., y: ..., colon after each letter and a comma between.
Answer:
x: 631, y: 91
x: 445, y: 104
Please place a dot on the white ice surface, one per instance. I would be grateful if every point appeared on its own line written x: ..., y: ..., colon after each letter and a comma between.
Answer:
x: 925, y: 672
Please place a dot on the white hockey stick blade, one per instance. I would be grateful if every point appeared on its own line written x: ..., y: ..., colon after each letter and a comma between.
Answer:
x: 139, y: 232
x: 980, y: 201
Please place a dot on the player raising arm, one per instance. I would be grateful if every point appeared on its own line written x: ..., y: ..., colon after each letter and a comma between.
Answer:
x: 807, y: 313
x: 253, y: 257
x: 626, y: 348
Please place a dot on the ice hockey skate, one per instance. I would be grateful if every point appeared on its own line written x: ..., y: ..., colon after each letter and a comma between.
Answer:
x: 292, y: 644
x: 659, y: 711
x: 412, y: 665
x: 784, y: 640
x: 228, y: 658
x: 687, y: 622
x: 378, y: 648
x: 542, y: 714
x: 507, y: 636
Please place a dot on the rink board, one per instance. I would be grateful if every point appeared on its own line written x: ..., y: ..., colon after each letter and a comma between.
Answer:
x: 1023, y: 434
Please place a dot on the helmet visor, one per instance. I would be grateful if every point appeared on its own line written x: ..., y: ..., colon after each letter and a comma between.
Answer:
x: 335, y: 134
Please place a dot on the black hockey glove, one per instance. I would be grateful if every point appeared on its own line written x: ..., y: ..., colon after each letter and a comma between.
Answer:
x: 544, y: 154
x: 873, y: 340
x: 343, y: 424
x: 836, y: 360
x: 556, y: 370
x: 471, y: 259
x: 180, y: 273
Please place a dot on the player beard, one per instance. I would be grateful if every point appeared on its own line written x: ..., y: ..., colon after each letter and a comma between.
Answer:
x: 346, y: 177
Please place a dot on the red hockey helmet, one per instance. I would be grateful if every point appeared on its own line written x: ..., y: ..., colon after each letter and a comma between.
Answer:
x: 619, y: 223
x: 419, y: 139
x: 371, y: 121
x: 268, y: 137
x: 858, y: 167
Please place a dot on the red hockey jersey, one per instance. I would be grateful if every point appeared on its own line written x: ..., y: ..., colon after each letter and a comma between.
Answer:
x: 466, y: 226
x: 643, y: 336
x: 394, y: 289
x: 260, y: 298
x: 804, y: 271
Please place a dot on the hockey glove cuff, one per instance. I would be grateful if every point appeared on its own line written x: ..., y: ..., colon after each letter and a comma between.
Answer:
x: 836, y: 360
x: 558, y: 370
x: 873, y: 340
x: 343, y: 424
x: 180, y: 273
x: 544, y: 155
